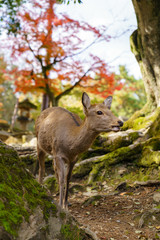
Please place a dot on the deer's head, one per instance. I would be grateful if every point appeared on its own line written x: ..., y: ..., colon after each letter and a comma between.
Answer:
x: 99, y: 116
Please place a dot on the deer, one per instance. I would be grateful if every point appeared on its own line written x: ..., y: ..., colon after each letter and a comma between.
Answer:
x: 64, y: 135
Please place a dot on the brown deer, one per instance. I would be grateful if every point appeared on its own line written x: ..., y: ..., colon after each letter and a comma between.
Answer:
x: 64, y: 135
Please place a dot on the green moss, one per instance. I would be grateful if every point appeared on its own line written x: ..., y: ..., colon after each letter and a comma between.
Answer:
x: 133, y: 136
x: 95, y: 174
x: 121, y: 141
x: 150, y: 153
x: 12, y: 209
x: 138, y: 174
x: 20, y: 193
x: 100, y: 167
x: 139, y: 123
x: 82, y: 170
x: 124, y: 154
x: 29, y: 159
x: 133, y: 173
x: 117, y: 143
x: 62, y: 215
x: 150, y: 158
x: 71, y: 232
x: 155, y: 127
x: 51, y: 184
x: 141, y: 120
x: 135, y: 43
x: 153, y: 143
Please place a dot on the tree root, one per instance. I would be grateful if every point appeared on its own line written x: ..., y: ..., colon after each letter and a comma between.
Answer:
x: 149, y: 183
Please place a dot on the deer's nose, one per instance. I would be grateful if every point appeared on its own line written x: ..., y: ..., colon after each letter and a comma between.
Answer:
x: 120, y: 123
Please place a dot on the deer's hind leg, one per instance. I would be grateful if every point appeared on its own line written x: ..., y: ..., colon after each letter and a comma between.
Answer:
x: 41, y: 159
x: 59, y: 166
x: 67, y: 180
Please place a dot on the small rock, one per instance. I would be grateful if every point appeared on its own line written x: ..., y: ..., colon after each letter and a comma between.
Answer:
x: 156, y: 197
x: 122, y: 171
x: 132, y: 224
x: 154, y: 218
x: 138, y: 232
x: 137, y: 203
x: 12, y: 140
x: 118, y: 221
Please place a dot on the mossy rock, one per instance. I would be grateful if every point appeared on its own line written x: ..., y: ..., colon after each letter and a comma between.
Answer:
x: 51, y: 183
x: 76, y: 188
x: 29, y: 161
x: 150, y: 158
x: 82, y: 171
x: 26, y: 210
x: 144, y: 154
x: 136, y: 173
x: 97, y: 170
x: 108, y: 144
x: 150, y: 153
x: 72, y: 232
x: 21, y: 194
x: 155, y: 127
x: 141, y: 120
x: 92, y: 200
x: 153, y: 143
x: 96, y: 149
x: 119, y: 140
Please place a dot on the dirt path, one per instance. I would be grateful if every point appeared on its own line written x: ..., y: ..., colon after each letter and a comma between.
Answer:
x: 119, y: 216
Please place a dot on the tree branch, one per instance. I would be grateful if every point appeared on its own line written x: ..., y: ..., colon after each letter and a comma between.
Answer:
x: 84, y: 49
x: 67, y: 91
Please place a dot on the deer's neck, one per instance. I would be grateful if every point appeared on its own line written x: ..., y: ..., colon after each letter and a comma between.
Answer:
x: 83, y: 137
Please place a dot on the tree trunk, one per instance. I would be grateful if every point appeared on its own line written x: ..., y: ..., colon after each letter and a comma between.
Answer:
x: 45, y: 102
x: 48, y: 100
x: 145, y: 44
x: 14, y: 114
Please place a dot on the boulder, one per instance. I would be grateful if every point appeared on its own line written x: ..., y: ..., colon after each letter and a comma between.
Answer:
x: 27, y: 211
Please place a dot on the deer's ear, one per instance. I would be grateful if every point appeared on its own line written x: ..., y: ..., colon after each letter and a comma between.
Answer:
x: 108, y: 101
x: 86, y: 102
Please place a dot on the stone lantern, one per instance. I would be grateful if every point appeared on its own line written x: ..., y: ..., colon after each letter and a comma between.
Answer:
x: 24, y: 113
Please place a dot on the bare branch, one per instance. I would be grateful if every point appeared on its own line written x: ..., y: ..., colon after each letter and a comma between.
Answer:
x: 84, y: 49
x: 67, y: 91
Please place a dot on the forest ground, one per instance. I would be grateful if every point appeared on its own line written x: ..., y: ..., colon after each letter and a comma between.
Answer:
x: 116, y: 215
x: 116, y: 209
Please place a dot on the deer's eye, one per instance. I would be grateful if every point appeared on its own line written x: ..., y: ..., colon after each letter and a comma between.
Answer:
x: 99, y: 112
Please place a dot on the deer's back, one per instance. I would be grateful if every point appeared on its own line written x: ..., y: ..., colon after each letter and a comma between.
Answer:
x: 59, y: 116
x: 54, y: 125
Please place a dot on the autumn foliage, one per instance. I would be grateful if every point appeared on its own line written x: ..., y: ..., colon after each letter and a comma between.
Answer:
x: 45, y: 52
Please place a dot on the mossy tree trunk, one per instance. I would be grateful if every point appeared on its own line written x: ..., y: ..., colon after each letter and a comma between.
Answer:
x: 145, y: 44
